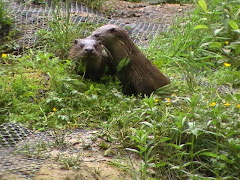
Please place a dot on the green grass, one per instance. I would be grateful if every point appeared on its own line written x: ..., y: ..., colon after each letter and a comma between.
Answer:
x: 5, y: 22
x: 96, y: 4
x: 188, y: 130
x: 162, y: 1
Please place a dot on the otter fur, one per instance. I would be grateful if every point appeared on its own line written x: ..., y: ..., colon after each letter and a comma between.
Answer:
x: 88, y: 56
x: 139, y: 76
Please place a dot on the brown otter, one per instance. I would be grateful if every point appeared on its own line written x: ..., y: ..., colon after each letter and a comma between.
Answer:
x: 89, y: 59
x: 139, y: 76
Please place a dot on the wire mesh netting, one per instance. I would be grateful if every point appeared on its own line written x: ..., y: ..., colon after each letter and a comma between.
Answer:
x: 19, y: 150
x: 30, y: 18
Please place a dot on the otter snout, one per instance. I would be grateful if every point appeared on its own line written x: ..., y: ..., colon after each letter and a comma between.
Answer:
x: 89, y: 50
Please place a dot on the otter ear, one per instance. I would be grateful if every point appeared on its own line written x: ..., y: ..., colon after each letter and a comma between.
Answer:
x: 75, y: 41
x: 111, y: 30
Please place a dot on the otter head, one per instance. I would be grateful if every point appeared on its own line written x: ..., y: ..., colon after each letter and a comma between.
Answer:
x: 87, y: 55
x: 86, y: 48
x: 106, y: 33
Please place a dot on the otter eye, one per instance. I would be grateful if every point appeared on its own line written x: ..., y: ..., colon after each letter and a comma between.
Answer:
x: 99, y: 42
x: 96, y: 35
x: 81, y: 45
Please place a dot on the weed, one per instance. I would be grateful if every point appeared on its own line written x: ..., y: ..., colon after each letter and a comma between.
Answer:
x: 62, y: 32
x: 32, y: 149
x: 71, y: 162
x: 134, y: 0
x: 59, y: 137
x: 5, y: 20
x: 96, y: 4
x: 162, y: 1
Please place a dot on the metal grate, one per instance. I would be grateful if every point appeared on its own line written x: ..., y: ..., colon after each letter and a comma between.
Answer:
x: 19, y: 150
x: 11, y: 134
x: 31, y: 18
x: 19, y: 165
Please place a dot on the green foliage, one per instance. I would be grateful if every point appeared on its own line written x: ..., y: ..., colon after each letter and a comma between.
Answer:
x: 223, y: 25
x: 122, y: 64
x: 187, y: 130
x: 5, y: 21
x: 39, y: 90
x: 192, y: 133
x: 62, y: 33
x: 67, y: 163
x: 96, y: 4
x: 133, y: 0
x: 162, y: 1
x: 61, y: 36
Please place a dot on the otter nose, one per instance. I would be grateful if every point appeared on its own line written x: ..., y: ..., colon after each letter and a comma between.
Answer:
x: 89, y: 49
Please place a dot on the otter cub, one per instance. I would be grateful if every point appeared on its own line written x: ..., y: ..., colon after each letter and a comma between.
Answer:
x: 88, y: 56
x: 139, y: 76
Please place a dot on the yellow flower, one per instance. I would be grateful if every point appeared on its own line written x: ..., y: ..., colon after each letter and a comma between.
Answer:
x: 4, y: 55
x: 227, y: 64
x: 212, y: 104
x: 238, y: 105
x: 174, y: 95
x: 168, y: 99
x: 226, y: 42
x: 227, y: 104
x: 156, y: 100
x: 54, y: 109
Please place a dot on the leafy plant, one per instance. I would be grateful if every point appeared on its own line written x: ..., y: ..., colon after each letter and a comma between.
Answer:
x: 67, y: 163
x: 63, y: 31
x: 5, y: 20
x: 96, y: 4
x: 226, y: 34
x: 133, y: 0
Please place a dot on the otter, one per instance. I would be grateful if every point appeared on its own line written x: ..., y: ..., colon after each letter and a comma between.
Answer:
x: 139, y: 76
x: 89, y: 58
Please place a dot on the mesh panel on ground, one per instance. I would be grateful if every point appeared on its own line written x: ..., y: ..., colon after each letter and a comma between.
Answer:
x: 20, y: 150
x: 30, y: 18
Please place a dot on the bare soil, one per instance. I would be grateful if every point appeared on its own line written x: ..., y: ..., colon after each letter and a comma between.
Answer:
x: 83, y: 159
x: 143, y: 12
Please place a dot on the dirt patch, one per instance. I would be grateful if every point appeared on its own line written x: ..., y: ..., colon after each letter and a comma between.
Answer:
x: 82, y: 155
x: 143, y: 12
x: 87, y: 171
x: 83, y: 159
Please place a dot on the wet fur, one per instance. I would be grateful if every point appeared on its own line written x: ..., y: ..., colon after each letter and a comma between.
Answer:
x: 139, y: 76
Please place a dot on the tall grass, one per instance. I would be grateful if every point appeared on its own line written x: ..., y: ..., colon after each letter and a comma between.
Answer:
x: 192, y: 135
x: 5, y: 21
x: 96, y: 4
